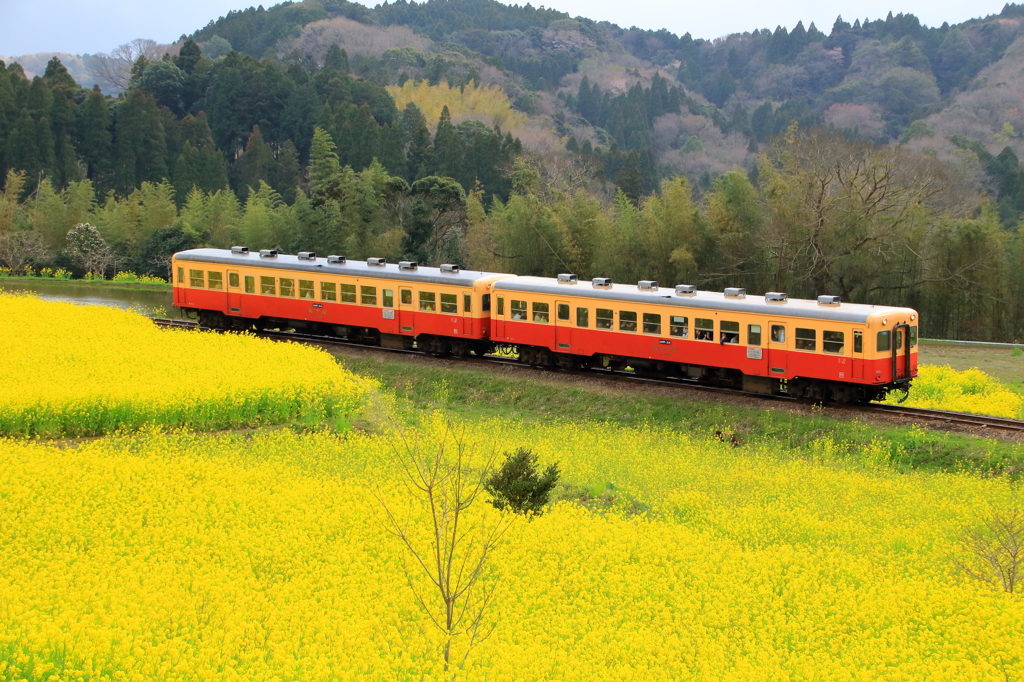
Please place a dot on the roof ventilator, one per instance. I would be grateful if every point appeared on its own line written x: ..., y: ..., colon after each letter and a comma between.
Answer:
x: 566, y: 278
x: 776, y: 297
x: 647, y: 285
x: 602, y: 282
x: 686, y: 290
x: 268, y: 253
x: 376, y: 261
x: 448, y: 267
x: 335, y: 259
x: 244, y: 250
x: 829, y: 300
x: 408, y: 265
x: 307, y: 255
x: 735, y: 292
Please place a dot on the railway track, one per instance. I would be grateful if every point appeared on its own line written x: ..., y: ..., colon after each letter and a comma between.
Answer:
x: 911, y: 413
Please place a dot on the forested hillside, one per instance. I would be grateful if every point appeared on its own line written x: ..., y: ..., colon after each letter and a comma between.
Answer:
x: 877, y: 160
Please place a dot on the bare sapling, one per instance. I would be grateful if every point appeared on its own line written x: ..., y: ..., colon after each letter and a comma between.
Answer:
x: 993, y: 551
x: 445, y: 540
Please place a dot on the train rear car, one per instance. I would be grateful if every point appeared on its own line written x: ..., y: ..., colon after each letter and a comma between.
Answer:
x: 822, y: 349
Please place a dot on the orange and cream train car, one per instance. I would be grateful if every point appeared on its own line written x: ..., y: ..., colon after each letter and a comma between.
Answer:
x: 824, y: 349
x: 821, y: 349
x: 442, y: 310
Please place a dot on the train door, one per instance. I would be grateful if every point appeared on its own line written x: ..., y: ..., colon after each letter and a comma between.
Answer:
x: 563, y: 330
x: 857, y: 371
x: 498, y: 317
x: 405, y: 311
x: 234, y: 293
x: 777, y: 353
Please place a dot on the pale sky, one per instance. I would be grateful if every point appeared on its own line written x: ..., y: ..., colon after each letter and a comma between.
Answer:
x: 77, y: 26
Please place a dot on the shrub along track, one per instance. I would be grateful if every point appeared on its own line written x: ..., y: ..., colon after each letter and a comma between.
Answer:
x: 959, y: 421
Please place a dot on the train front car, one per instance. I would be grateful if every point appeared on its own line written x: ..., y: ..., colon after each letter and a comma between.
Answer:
x: 824, y: 349
x: 443, y: 310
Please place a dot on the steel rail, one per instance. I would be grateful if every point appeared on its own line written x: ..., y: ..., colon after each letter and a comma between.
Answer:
x: 945, y: 416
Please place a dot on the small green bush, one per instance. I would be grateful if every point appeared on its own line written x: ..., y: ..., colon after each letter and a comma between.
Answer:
x: 517, y: 487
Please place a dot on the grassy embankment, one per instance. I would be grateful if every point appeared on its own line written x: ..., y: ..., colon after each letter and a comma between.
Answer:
x: 521, y: 394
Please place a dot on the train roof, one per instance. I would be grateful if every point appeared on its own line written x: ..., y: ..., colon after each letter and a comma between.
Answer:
x: 351, y: 268
x: 705, y: 300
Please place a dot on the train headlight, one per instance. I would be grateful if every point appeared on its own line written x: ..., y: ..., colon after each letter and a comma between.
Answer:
x: 913, y: 317
x: 885, y: 321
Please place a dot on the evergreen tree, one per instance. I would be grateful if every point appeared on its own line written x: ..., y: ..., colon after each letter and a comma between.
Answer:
x: 284, y: 174
x: 447, y: 147
x: 188, y: 56
x: 140, y: 147
x: 58, y: 78
x: 22, y: 150
x: 254, y: 166
x: 336, y: 59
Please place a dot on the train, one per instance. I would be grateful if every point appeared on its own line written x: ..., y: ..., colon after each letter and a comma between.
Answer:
x: 825, y: 349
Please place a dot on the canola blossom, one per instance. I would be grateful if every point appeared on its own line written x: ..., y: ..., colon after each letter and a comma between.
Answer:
x: 74, y: 370
x: 940, y: 387
x: 264, y: 557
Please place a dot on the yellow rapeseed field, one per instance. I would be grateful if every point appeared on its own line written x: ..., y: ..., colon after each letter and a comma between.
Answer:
x: 188, y: 557
x: 84, y: 370
x: 940, y: 387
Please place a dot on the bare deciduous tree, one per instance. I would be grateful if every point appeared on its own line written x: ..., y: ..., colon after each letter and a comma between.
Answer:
x: 994, y: 550
x: 115, y: 68
x: 21, y: 247
x: 452, y: 555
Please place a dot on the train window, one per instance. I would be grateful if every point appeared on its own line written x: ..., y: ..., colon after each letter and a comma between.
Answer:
x: 388, y: 297
x: 806, y: 339
x: 287, y: 285
x: 250, y: 284
x: 485, y: 303
x: 583, y: 317
x: 368, y: 295
x: 306, y: 289
x: 467, y: 303
x: 328, y: 291
x: 195, y: 278
x: 605, y: 318
x: 778, y: 333
x: 899, y: 339
x: 406, y: 296
x: 215, y: 280
x: 428, y: 301
x: 518, y: 309
x: 268, y: 287
x: 913, y: 336
x: 233, y: 280
x: 540, y: 313
x: 679, y: 326
x: 181, y: 275
x: 883, y: 342
x: 832, y: 342
x: 627, y: 321
x: 563, y: 311
x: 450, y: 304
x: 704, y: 329
x: 348, y: 293
x: 753, y: 335
x: 730, y: 332
x: 858, y: 342
x: 501, y: 305
x: 652, y: 323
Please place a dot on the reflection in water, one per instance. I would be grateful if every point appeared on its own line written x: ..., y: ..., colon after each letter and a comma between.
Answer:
x: 146, y: 301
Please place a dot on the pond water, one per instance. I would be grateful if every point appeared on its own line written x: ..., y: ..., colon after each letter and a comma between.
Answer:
x: 154, y: 302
